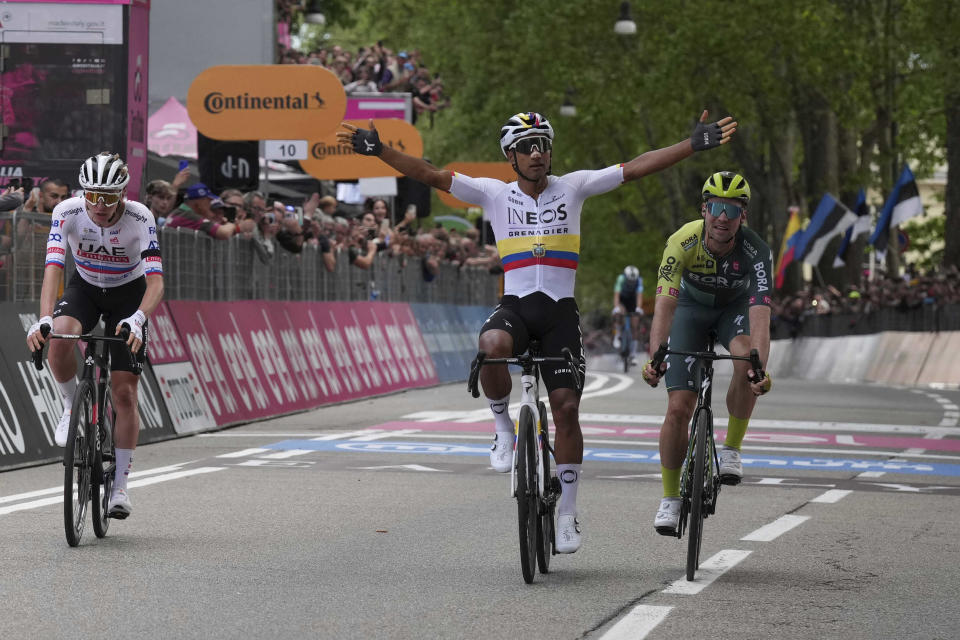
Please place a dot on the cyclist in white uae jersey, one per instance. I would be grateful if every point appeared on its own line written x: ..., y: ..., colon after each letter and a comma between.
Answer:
x: 119, y: 277
x: 536, y: 221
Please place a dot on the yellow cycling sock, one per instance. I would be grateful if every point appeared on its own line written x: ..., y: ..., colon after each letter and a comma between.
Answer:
x: 736, y: 429
x: 671, y: 482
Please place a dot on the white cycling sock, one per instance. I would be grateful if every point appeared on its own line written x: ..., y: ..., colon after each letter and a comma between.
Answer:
x: 569, y: 475
x: 124, y: 463
x: 501, y: 414
x: 67, y: 390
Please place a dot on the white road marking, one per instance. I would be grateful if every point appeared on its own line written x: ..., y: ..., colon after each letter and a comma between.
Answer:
x: 45, y: 492
x: 831, y: 496
x: 339, y: 436
x: 709, y: 570
x: 775, y: 529
x: 871, y: 474
x: 378, y: 434
x: 150, y: 479
x: 637, y: 624
x: 289, y: 453
x: 243, y: 452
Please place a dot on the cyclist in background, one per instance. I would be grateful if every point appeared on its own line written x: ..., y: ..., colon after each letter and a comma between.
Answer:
x: 536, y: 221
x: 628, y: 298
x: 119, y: 276
x: 715, y: 274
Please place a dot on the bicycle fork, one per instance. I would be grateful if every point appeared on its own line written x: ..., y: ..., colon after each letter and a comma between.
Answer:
x: 528, y: 396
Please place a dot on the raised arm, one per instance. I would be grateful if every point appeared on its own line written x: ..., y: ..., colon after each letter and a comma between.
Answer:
x: 704, y: 136
x: 367, y: 142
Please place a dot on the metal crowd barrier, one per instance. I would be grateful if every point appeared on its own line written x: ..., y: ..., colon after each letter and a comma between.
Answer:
x: 926, y: 318
x: 198, y: 267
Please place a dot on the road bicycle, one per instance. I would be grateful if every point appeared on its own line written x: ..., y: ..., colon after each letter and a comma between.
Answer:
x: 626, y: 340
x: 700, y: 478
x: 531, y: 481
x: 88, y: 456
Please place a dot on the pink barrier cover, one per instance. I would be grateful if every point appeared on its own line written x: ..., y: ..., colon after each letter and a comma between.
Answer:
x: 257, y: 359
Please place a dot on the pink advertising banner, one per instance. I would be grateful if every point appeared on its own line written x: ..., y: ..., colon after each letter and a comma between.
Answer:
x: 138, y: 54
x: 256, y: 359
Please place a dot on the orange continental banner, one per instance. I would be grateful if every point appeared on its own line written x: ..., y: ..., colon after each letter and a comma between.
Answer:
x: 499, y: 170
x: 266, y: 102
x: 330, y: 160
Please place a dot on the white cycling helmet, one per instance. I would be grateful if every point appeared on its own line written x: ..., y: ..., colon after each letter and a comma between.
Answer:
x: 104, y: 172
x: 631, y: 273
x: 522, y: 125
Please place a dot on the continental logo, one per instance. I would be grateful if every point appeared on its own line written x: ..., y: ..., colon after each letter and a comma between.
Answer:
x: 322, y: 149
x: 217, y: 102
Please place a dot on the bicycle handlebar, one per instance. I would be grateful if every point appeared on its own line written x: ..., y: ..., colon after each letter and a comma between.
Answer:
x: 87, y: 337
x: 523, y: 360
x: 754, y: 358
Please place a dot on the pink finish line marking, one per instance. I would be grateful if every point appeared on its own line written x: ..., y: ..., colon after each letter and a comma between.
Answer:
x: 652, y: 433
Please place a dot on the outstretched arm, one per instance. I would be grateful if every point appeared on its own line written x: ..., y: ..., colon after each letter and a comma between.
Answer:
x: 367, y: 142
x: 705, y: 136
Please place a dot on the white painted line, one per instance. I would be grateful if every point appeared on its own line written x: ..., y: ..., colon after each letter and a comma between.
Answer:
x: 913, y: 451
x: 847, y: 439
x: 709, y: 571
x: 243, y: 453
x: 173, y: 476
x: 871, y: 474
x: 256, y: 434
x: 771, y: 531
x: 150, y: 479
x: 381, y: 434
x: 831, y: 496
x: 289, y: 453
x: 637, y: 624
x: 339, y: 436
x: 45, y: 492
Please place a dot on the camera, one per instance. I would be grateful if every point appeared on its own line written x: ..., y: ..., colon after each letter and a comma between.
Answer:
x: 27, y: 185
x: 230, y: 213
x: 14, y: 183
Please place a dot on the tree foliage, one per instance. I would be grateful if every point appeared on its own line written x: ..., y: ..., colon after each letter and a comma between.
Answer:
x: 831, y: 95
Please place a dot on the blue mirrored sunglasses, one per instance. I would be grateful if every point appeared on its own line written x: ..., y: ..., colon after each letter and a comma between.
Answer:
x: 527, y: 145
x: 717, y: 208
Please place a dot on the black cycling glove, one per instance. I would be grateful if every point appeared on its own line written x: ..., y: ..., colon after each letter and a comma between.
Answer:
x: 705, y: 136
x: 366, y: 142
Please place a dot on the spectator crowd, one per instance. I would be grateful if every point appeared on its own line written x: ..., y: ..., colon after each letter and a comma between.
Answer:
x: 319, y: 223
x: 376, y: 69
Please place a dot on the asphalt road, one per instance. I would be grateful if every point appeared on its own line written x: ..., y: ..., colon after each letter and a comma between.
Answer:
x: 382, y: 519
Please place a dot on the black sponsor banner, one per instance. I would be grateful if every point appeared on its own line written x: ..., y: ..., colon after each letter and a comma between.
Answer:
x: 30, y: 405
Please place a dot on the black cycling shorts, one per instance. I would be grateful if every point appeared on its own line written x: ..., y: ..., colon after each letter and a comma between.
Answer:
x: 556, y: 323
x: 628, y: 302
x: 87, y: 302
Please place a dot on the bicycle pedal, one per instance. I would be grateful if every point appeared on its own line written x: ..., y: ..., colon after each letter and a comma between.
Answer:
x: 118, y: 515
x: 730, y: 480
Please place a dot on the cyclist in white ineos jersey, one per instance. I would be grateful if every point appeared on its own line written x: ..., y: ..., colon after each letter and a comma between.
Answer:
x: 536, y: 221
x: 119, y: 276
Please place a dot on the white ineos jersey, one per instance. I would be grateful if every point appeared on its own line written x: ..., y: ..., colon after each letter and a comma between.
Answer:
x: 538, y: 239
x: 105, y: 257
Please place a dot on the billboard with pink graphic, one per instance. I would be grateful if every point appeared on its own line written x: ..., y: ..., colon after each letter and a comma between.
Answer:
x: 170, y: 131
x: 255, y: 359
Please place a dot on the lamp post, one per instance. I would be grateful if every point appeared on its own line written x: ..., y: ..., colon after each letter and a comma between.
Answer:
x: 625, y: 26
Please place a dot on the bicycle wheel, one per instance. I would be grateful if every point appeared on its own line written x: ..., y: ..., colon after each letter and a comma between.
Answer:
x: 701, y: 459
x: 104, y: 466
x: 78, y: 462
x: 548, y: 503
x: 625, y: 344
x: 527, y: 508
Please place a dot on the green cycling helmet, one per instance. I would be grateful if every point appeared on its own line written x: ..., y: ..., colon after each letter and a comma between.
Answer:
x: 727, y: 184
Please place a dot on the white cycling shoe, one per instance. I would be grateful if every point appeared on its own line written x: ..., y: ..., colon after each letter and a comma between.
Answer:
x: 63, y: 429
x: 119, y: 506
x: 568, y: 535
x: 668, y: 516
x: 501, y: 453
x: 731, y: 468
